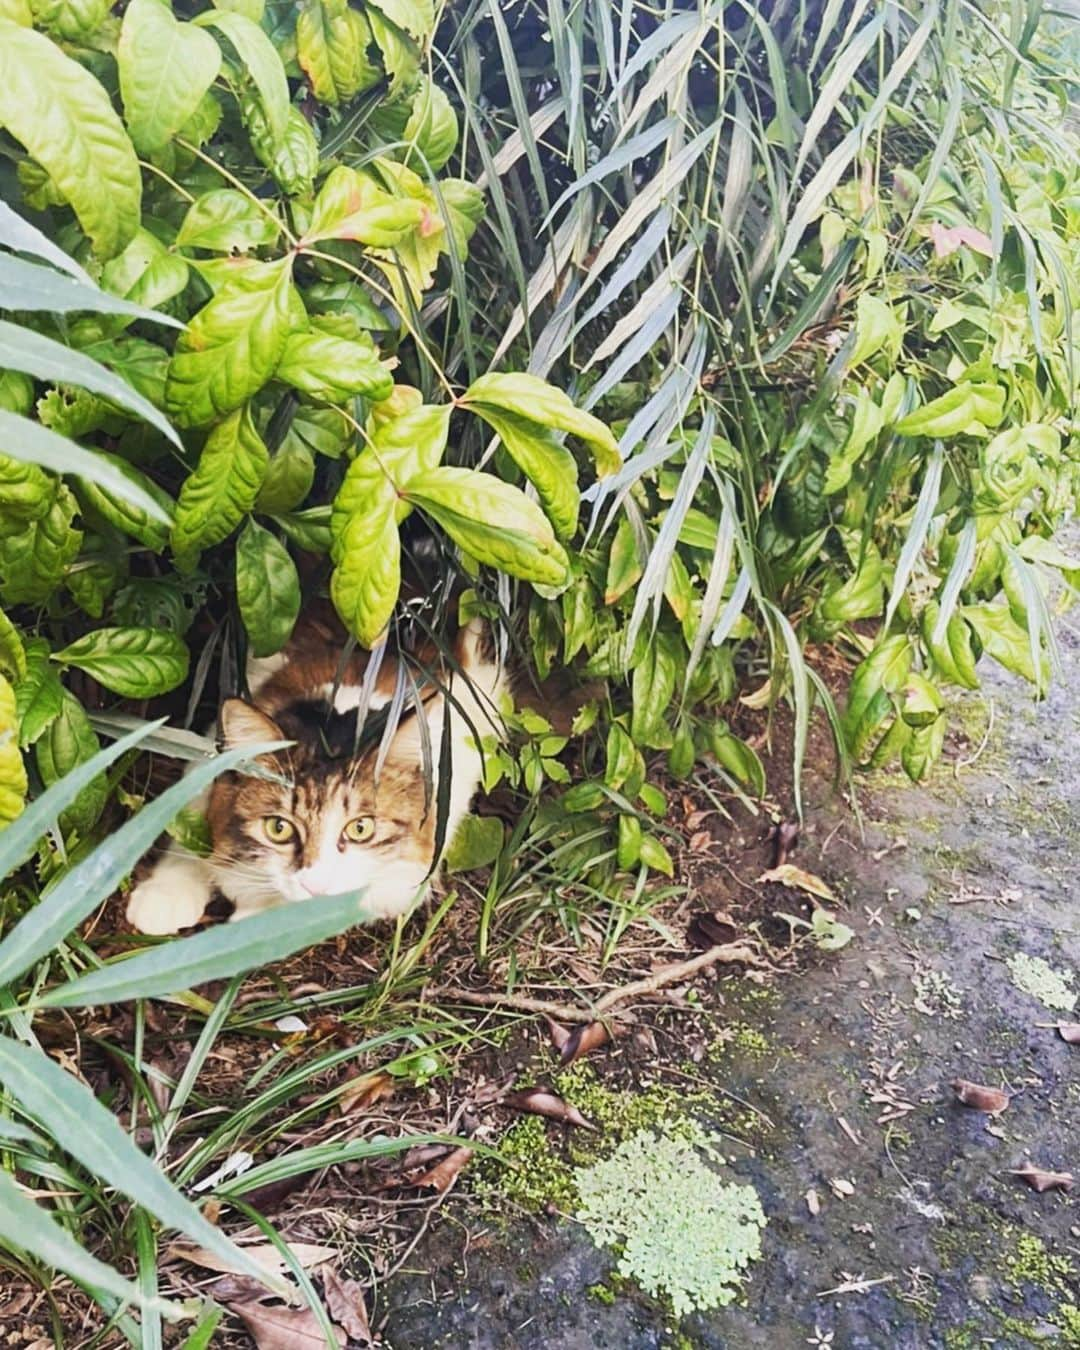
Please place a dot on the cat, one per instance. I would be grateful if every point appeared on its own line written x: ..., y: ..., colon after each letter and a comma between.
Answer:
x: 322, y: 822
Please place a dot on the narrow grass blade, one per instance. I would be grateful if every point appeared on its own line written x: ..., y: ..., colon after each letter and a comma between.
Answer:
x: 22, y: 237
x: 20, y: 838
x: 216, y: 954
x: 916, y: 536
x: 27, y: 1227
x: 34, y: 444
x: 954, y: 582
x: 90, y: 1132
x: 98, y: 875
x: 39, y: 356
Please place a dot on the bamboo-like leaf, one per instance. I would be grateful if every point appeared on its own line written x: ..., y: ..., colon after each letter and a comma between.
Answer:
x: 90, y: 1132
x: 29, y: 286
x: 90, y: 882
x: 216, y: 954
x: 958, y: 574
x: 916, y: 535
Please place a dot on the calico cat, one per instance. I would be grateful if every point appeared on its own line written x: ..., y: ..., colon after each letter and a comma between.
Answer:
x: 324, y: 822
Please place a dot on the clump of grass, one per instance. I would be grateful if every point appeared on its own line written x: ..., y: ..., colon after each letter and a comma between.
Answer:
x: 1053, y: 988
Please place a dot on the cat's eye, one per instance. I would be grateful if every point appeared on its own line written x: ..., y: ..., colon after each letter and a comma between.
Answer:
x: 360, y: 830
x: 278, y: 830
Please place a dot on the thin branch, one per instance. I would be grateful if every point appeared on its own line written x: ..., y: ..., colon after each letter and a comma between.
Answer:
x: 726, y: 954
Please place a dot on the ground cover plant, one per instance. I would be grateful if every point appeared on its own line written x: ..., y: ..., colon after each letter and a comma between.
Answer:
x: 683, y: 343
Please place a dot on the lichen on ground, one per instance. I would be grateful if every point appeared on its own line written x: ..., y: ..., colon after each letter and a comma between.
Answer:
x: 1053, y: 988
x: 683, y: 1234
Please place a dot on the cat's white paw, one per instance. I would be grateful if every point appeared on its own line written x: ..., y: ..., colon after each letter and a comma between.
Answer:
x: 165, y: 903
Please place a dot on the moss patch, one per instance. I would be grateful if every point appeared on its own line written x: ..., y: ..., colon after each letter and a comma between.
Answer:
x: 1053, y: 988
x: 682, y: 1234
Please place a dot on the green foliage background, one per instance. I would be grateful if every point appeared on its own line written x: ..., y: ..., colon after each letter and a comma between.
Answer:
x: 689, y: 338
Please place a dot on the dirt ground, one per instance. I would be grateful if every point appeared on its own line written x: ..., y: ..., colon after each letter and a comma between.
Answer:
x: 922, y: 1237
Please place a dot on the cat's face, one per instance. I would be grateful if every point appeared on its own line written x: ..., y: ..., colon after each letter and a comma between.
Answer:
x: 328, y: 827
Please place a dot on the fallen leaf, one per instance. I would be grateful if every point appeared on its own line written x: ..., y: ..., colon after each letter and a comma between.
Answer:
x: 842, y: 1187
x: 700, y: 842
x: 559, y: 1034
x: 1069, y: 1032
x: 345, y: 1304
x: 813, y: 1203
x: 979, y: 1098
x: 711, y: 930
x: 1041, y: 1181
x: 586, y: 1037
x: 787, y: 874
x: 284, y: 1328
x: 271, y: 1260
x: 540, y: 1102
x: 443, y: 1175
x: 785, y: 837
x: 365, y: 1091
x: 947, y: 241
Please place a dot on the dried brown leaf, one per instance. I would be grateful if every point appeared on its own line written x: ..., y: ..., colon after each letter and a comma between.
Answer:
x: 308, y: 1255
x: 540, y: 1102
x: 345, y: 1304
x: 787, y: 874
x: 365, y: 1091
x: 443, y: 1175
x: 700, y: 841
x: 274, y: 1328
x: 1069, y: 1032
x: 979, y: 1097
x: 813, y: 1202
x: 559, y: 1034
x: 1041, y: 1181
x: 785, y: 836
x: 711, y: 930
x: 583, y: 1040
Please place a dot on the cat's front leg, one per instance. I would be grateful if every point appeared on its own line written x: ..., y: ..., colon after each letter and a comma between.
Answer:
x: 173, y: 895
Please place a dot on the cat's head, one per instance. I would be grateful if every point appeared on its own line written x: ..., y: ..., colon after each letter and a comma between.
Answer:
x: 321, y: 823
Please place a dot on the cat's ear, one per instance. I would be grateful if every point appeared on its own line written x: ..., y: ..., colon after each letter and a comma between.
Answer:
x: 243, y: 724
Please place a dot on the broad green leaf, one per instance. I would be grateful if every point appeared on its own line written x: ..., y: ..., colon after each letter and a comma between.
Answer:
x: 101, y: 473
x: 653, y: 689
x: 415, y: 17
x: 288, y: 479
x: 233, y: 344
x: 126, y: 515
x: 29, y: 286
x: 332, y: 47
x: 165, y: 68
x: 309, y: 530
x: 923, y: 748
x: 44, y: 359
x: 224, y: 220
x: 400, y: 55
x: 263, y: 64
x: 12, y: 651
x: 477, y: 843
x: 943, y: 417
x: 32, y: 563
x: 63, y: 117
x: 549, y: 466
x: 12, y: 770
x: 624, y: 567
x: 135, y: 662
x: 144, y: 365
x: 26, y: 492
x: 267, y: 589
x: 351, y: 205
x: 16, y: 392
x: 216, y: 954
x: 432, y: 129
x: 876, y: 326
x: 367, y: 578
x: 27, y: 1226
x: 295, y: 160
x: 39, y: 695
x: 492, y: 521
x: 20, y: 840
x: 537, y: 401
x: 69, y: 19
x: 90, y: 1132
x: 146, y: 272
x: 224, y: 486
x: 69, y: 741
x: 1007, y: 641
x: 332, y: 369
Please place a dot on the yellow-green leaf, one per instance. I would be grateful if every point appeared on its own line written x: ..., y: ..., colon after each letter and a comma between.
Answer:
x: 549, y: 466
x: 165, y: 69
x: 537, y: 401
x: 12, y: 772
x: 62, y: 115
x: 232, y: 345
x: 333, y: 369
x: 224, y: 486
x: 134, y: 662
